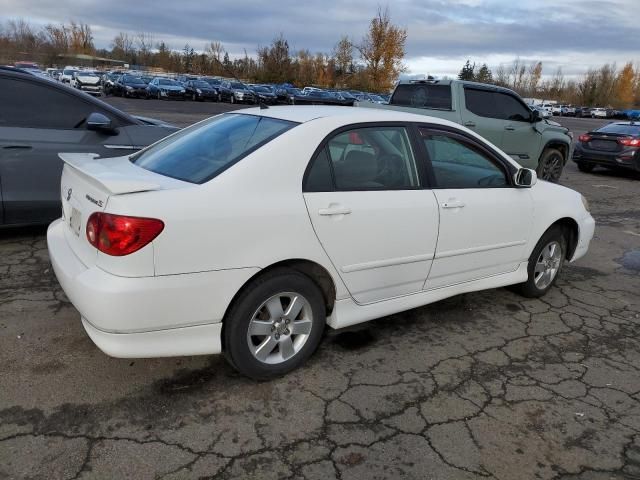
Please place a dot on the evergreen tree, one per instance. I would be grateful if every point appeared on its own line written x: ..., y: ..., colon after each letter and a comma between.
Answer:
x: 484, y: 75
x: 468, y: 72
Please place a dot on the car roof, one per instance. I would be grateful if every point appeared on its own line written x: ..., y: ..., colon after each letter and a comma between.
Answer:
x: 346, y: 115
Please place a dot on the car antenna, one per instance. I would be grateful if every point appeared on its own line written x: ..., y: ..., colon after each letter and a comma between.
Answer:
x: 261, y: 104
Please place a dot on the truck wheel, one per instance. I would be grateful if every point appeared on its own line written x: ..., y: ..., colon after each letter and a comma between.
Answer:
x: 550, y: 165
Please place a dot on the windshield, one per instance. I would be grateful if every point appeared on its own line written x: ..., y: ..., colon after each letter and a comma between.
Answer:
x: 134, y: 80
x: 621, y: 128
x: 167, y: 83
x: 237, y: 85
x: 201, y: 84
x: 69, y: 72
x: 262, y: 89
x: 199, y: 153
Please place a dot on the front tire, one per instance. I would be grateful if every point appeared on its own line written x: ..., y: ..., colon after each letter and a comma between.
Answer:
x: 274, y: 325
x: 545, y: 263
x: 550, y: 165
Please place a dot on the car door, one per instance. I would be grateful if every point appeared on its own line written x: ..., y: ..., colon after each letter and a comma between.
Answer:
x: 484, y: 220
x: 482, y: 115
x: 38, y: 121
x: 376, y: 223
x: 520, y: 141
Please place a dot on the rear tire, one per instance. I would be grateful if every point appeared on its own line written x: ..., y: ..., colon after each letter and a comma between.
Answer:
x: 550, y: 165
x: 545, y: 263
x: 282, y: 336
x: 585, y: 167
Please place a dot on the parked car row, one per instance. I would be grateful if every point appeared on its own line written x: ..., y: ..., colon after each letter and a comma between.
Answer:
x: 582, y: 111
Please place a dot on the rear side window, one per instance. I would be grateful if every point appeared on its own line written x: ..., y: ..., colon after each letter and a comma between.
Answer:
x: 482, y: 103
x: 33, y: 105
x: 370, y: 158
x: 199, y: 153
x: 622, y: 129
x: 422, y: 95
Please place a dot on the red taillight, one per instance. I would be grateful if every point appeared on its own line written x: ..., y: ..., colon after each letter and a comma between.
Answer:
x: 120, y: 235
x: 584, y: 138
x: 629, y: 142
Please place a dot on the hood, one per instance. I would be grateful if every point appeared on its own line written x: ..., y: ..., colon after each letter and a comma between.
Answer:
x: 173, y: 88
x: 89, y: 79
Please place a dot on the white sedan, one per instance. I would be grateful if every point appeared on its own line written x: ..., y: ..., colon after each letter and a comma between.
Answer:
x: 250, y: 231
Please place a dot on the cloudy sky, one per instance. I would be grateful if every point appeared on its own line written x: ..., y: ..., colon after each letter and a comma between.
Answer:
x: 442, y: 34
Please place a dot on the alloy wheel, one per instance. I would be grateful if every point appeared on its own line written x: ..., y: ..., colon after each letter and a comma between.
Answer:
x: 547, y: 265
x: 280, y: 327
x: 552, y: 168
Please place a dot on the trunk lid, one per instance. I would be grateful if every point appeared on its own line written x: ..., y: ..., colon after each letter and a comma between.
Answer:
x: 87, y: 184
x: 605, y: 142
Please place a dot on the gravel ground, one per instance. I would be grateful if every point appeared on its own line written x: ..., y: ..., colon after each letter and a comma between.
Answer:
x: 483, y: 385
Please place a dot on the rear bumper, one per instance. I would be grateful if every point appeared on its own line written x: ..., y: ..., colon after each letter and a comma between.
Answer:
x: 629, y: 159
x: 197, y: 340
x: 586, y: 227
x: 146, y: 316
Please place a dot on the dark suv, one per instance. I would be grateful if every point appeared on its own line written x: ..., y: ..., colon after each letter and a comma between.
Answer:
x: 39, y: 119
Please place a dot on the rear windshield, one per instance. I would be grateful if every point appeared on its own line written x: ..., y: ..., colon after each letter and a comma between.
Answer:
x: 199, y: 153
x: 624, y: 129
x: 420, y: 95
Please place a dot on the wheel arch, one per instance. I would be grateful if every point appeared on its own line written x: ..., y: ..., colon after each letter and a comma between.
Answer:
x: 572, y: 231
x: 316, y: 272
x: 563, y: 147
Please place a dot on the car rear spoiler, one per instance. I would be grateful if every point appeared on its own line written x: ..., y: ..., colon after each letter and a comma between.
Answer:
x: 118, y: 175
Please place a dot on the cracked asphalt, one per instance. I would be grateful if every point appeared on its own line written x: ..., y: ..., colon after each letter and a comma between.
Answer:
x: 483, y: 385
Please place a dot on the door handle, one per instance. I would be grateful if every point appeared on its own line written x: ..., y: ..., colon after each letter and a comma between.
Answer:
x: 17, y: 147
x: 452, y: 204
x: 510, y: 128
x: 334, y: 210
x: 470, y: 124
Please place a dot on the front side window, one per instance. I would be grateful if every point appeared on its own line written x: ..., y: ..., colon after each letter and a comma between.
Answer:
x: 33, y: 105
x: 458, y: 164
x: 512, y: 109
x: 370, y: 158
x: 199, y: 153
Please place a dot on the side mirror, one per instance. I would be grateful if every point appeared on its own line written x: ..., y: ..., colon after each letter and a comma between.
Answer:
x: 100, y: 123
x: 535, y: 116
x: 525, y: 178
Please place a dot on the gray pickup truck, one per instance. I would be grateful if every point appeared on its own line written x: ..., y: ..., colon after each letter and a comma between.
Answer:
x: 497, y: 114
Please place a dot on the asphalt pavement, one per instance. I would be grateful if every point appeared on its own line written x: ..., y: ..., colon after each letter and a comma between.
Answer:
x: 483, y: 385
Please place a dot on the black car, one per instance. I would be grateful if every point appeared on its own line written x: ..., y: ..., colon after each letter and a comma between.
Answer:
x: 236, y: 92
x: 165, y: 88
x: 265, y: 94
x: 287, y: 94
x: 130, y: 86
x: 39, y: 119
x: 214, y: 83
x: 321, y: 97
x: 616, y: 145
x: 200, y: 90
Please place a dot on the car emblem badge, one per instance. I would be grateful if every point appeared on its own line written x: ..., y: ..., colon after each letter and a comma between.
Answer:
x: 69, y: 192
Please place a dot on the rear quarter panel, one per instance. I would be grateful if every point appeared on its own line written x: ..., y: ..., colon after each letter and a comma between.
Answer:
x: 251, y: 215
